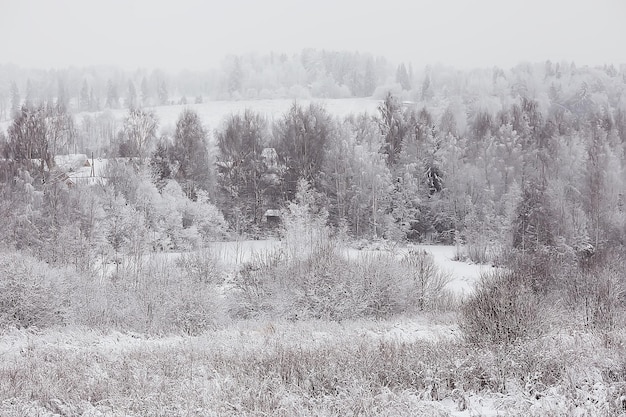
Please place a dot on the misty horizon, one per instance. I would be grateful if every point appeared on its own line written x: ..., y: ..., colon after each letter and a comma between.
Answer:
x: 192, y: 35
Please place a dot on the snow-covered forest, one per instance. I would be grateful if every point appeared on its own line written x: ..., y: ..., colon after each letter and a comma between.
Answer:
x: 381, y: 240
x: 530, y: 159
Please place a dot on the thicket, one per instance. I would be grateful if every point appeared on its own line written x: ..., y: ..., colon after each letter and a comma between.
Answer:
x: 534, y: 294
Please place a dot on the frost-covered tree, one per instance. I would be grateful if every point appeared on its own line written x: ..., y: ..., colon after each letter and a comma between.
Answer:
x: 28, y: 139
x: 305, y: 222
x: 191, y: 153
x: 359, y: 179
x: 163, y: 93
x: 60, y: 129
x: 140, y: 129
x: 160, y: 165
x: 402, y: 77
x: 63, y: 98
x: 145, y: 92
x: 131, y: 96
x: 244, y: 171
x: 84, y: 103
x: 392, y: 127
x: 301, y: 137
x: 16, y: 100
x: 113, y: 98
x: 235, y: 77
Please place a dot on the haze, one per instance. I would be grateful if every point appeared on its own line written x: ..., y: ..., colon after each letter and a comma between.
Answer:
x: 197, y: 34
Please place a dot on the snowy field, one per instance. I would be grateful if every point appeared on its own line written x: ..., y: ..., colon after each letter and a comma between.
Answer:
x: 212, y: 113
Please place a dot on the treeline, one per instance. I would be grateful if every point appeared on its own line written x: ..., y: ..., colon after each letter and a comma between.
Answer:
x: 310, y: 73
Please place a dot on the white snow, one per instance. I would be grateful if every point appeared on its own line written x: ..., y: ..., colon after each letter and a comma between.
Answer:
x: 213, y: 113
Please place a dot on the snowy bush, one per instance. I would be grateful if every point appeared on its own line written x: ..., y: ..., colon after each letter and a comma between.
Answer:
x: 502, y: 310
x: 31, y: 293
x: 601, y: 295
x: 305, y: 223
x: 428, y: 282
x: 200, y: 266
x: 323, y: 283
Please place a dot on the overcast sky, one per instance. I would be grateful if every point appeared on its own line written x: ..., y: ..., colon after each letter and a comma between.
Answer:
x: 197, y: 34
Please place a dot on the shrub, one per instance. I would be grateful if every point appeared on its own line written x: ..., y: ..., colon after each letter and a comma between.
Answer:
x: 201, y: 266
x: 193, y: 309
x: 604, y: 299
x: 386, y: 287
x: 325, y: 283
x: 31, y: 293
x: 252, y: 284
x: 502, y: 310
x: 428, y: 282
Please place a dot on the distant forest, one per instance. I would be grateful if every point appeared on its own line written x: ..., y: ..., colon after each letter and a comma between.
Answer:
x: 530, y: 158
x: 311, y: 73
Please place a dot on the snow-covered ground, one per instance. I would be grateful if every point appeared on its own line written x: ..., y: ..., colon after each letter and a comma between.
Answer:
x: 212, y: 113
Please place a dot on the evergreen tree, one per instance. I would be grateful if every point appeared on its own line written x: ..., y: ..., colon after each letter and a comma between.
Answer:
x: 163, y: 94
x: 402, y: 77
x: 160, y: 167
x: 131, y: 96
x: 29, y: 100
x: 533, y: 224
x: 235, y: 77
x: 145, y: 92
x: 16, y: 100
x: 85, y: 97
x: 393, y: 128
x: 113, y: 99
x: 63, y: 99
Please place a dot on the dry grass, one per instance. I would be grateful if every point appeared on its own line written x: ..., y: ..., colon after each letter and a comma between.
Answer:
x: 258, y: 368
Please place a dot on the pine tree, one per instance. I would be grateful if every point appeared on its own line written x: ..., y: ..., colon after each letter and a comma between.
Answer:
x: 29, y: 99
x: 160, y: 167
x: 402, y: 77
x: 131, y: 97
x: 16, y: 100
x: 393, y: 128
x: 145, y: 92
x: 113, y: 99
x: 163, y: 94
x: 85, y: 98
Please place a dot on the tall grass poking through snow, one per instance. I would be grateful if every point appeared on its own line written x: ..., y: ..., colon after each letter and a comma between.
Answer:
x: 314, y: 368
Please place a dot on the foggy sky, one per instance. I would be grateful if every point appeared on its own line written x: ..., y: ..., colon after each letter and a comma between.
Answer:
x: 197, y: 34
